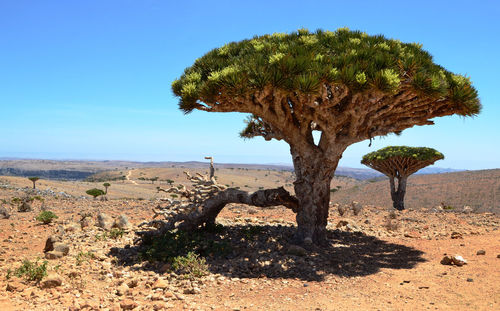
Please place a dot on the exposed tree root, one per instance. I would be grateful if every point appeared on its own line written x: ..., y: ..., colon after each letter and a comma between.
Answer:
x: 200, y: 205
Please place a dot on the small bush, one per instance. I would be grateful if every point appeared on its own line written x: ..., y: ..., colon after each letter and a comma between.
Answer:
x: 116, y: 233
x: 84, y: 256
x: 46, y: 217
x: 191, y: 265
x: 101, y: 237
x: 31, y: 271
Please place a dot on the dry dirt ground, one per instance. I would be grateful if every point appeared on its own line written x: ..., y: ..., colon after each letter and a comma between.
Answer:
x: 373, y: 261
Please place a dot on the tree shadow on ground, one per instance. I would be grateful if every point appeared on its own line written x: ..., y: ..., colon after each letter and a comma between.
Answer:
x: 248, y: 251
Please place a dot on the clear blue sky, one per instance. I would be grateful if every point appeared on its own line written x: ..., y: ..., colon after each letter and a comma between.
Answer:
x: 91, y: 79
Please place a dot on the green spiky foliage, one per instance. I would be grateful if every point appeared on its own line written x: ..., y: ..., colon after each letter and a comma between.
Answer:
x: 302, y: 62
x: 396, y: 161
x: 95, y: 192
x: 416, y: 153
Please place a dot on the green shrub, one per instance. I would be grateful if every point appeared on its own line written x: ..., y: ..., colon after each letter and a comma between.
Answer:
x: 116, y: 233
x: 46, y: 217
x: 191, y: 265
x: 84, y: 256
x: 31, y: 271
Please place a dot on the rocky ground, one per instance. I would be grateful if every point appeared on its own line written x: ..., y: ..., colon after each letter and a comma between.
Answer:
x: 376, y: 260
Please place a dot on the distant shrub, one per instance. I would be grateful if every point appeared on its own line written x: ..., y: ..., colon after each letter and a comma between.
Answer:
x: 46, y: 217
x: 31, y: 271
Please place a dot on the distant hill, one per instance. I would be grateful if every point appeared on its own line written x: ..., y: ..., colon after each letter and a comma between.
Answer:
x: 477, y: 189
x: 75, y: 169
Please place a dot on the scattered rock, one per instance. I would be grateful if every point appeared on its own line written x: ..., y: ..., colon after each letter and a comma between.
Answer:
x: 54, y: 255
x: 453, y: 260
x: 4, y: 213
x: 52, y: 280
x: 61, y: 247
x: 481, y: 252
x: 49, y: 244
x: 296, y: 250
x: 341, y: 223
x: 413, y: 235
x: 456, y: 235
x: 356, y: 208
x: 128, y: 304
x: 470, y: 280
x: 121, y: 222
x: 24, y: 207
x: 15, y: 286
x: 342, y: 209
x: 122, y: 290
x: 160, y: 283
x: 192, y: 291
x: 104, y: 221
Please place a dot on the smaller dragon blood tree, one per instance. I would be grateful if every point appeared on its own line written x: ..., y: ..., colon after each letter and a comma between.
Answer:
x: 399, y: 162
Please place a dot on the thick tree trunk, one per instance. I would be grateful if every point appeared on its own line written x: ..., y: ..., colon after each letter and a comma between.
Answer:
x: 34, y: 187
x: 398, y: 195
x: 314, y: 173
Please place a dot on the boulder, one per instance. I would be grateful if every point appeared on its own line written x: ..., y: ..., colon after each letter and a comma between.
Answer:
x: 104, y: 221
x: 49, y: 244
x: 4, y: 213
x: 160, y: 283
x: 481, y: 252
x: 128, y: 304
x: 15, y: 286
x: 24, y: 207
x: 121, y: 222
x: 53, y: 255
x: 61, y: 247
x: 52, y: 280
x: 456, y: 260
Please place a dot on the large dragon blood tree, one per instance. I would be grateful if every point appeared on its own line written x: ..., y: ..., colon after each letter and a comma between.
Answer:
x: 399, y: 162
x: 346, y: 85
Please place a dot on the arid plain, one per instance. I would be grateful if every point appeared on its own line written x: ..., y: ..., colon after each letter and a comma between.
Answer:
x: 376, y: 260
